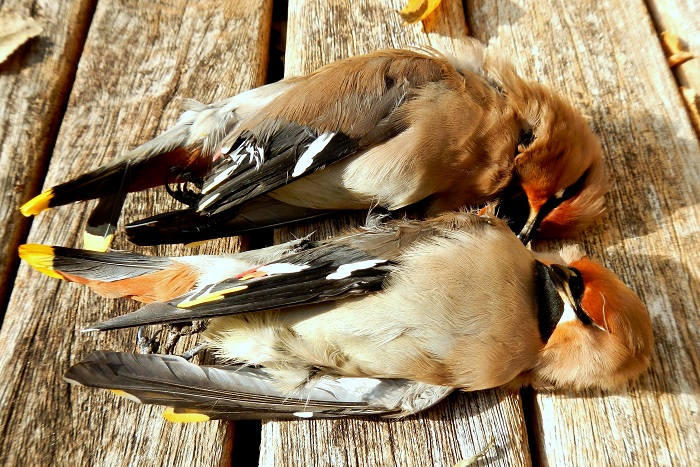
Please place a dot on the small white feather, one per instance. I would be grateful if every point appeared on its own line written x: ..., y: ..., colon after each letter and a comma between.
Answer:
x: 207, y: 201
x: 314, y: 148
x: 282, y: 268
x: 346, y: 269
x: 218, y: 179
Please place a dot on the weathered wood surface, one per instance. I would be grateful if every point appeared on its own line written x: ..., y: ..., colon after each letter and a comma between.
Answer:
x: 35, y: 82
x: 603, y: 56
x: 140, y: 60
x: 318, y: 33
x: 606, y: 58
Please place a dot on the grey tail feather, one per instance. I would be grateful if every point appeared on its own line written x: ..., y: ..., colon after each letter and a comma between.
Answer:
x: 241, y: 392
x: 105, y: 267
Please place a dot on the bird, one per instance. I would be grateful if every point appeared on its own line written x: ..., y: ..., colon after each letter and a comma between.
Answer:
x: 384, y: 320
x: 394, y: 129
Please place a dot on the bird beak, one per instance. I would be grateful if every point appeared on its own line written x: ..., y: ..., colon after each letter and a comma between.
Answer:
x: 532, y: 225
x: 528, y: 229
x: 563, y: 278
x: 522, y: 218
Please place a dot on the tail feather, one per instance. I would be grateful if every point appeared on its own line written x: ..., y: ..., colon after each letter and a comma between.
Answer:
x: 102, y: 223
x: 153, y: 164
x: 198, y: 393
x: 113, y: 275
x: 148, y: 278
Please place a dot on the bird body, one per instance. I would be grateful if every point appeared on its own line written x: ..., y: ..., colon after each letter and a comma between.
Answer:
x: 409, y: 308
x: 392, y: 129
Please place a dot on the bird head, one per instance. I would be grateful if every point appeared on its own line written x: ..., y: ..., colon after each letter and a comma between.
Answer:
x: 560, y: 178
x: 604, y: 337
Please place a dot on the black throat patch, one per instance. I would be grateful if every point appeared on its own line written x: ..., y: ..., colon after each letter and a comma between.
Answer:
x: 550, y: 305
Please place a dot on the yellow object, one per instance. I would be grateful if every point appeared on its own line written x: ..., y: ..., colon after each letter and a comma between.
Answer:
x: 418, y: 10
x: 37, y: 204
x: 252, y: 275
x: 97, y: 242
x: 170, y: 415
x: 211, y: 297
x: 40, y: 257
x: 120, y: 393
x: 198, y: 243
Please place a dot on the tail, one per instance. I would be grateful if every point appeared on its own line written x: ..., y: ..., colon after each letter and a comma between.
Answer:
x: 190, y: 226
x: 200, y: 393
x: 146, y: 166
x: 162, y: 160
x: 113, y: 275
x: 179, y: 154
x: 148, y: 278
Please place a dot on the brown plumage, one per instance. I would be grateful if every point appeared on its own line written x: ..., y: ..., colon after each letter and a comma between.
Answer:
x: 427, y: 306
x: 391, y: 129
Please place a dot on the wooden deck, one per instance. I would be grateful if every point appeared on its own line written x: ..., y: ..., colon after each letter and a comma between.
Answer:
x: 107, y: 75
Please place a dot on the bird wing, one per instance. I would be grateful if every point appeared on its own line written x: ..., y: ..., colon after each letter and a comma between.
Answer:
x: 355, y: 264
x: 340, y: 110
x: 198, y: 393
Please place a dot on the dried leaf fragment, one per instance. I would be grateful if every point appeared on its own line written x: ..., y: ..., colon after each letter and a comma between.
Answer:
x: 417, y: 10
x: 15, y: 30
x: 675, y: 52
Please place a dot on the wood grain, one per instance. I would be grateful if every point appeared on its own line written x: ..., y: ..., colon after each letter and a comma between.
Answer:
x: 35, y: 82
x: 606, y: 58
x: 142, y: 57
x: 140, y: 60
x: 318, y: 33
x: 682, y: 18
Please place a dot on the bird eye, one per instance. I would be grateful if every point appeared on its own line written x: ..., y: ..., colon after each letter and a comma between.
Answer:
x: 525, y: 139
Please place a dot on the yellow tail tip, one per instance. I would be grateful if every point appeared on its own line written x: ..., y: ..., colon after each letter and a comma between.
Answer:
x: 37, y: 204
x: 96, y: 242
x: 170, y: 415
x: 40, y: 257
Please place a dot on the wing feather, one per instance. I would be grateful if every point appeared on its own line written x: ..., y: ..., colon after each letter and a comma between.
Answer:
x: 239, y: 392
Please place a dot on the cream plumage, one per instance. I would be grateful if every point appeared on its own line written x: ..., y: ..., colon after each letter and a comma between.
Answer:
x: 394, y: 128
x: 383, y: 320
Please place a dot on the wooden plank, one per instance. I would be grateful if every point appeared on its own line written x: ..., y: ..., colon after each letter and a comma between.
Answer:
x: 606, y: 58
x: 138, y: 57
x: 35, y: 81
x: 320, y: 32
x: 682, y: 19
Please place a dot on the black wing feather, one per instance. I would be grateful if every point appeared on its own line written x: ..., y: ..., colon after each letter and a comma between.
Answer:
x: 233, y: 296
x: 284, y: 149
x: 189, y: 225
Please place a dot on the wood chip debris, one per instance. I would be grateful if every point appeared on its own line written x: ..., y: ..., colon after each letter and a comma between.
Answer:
x: 675, y: 51
x: 15, y: 30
